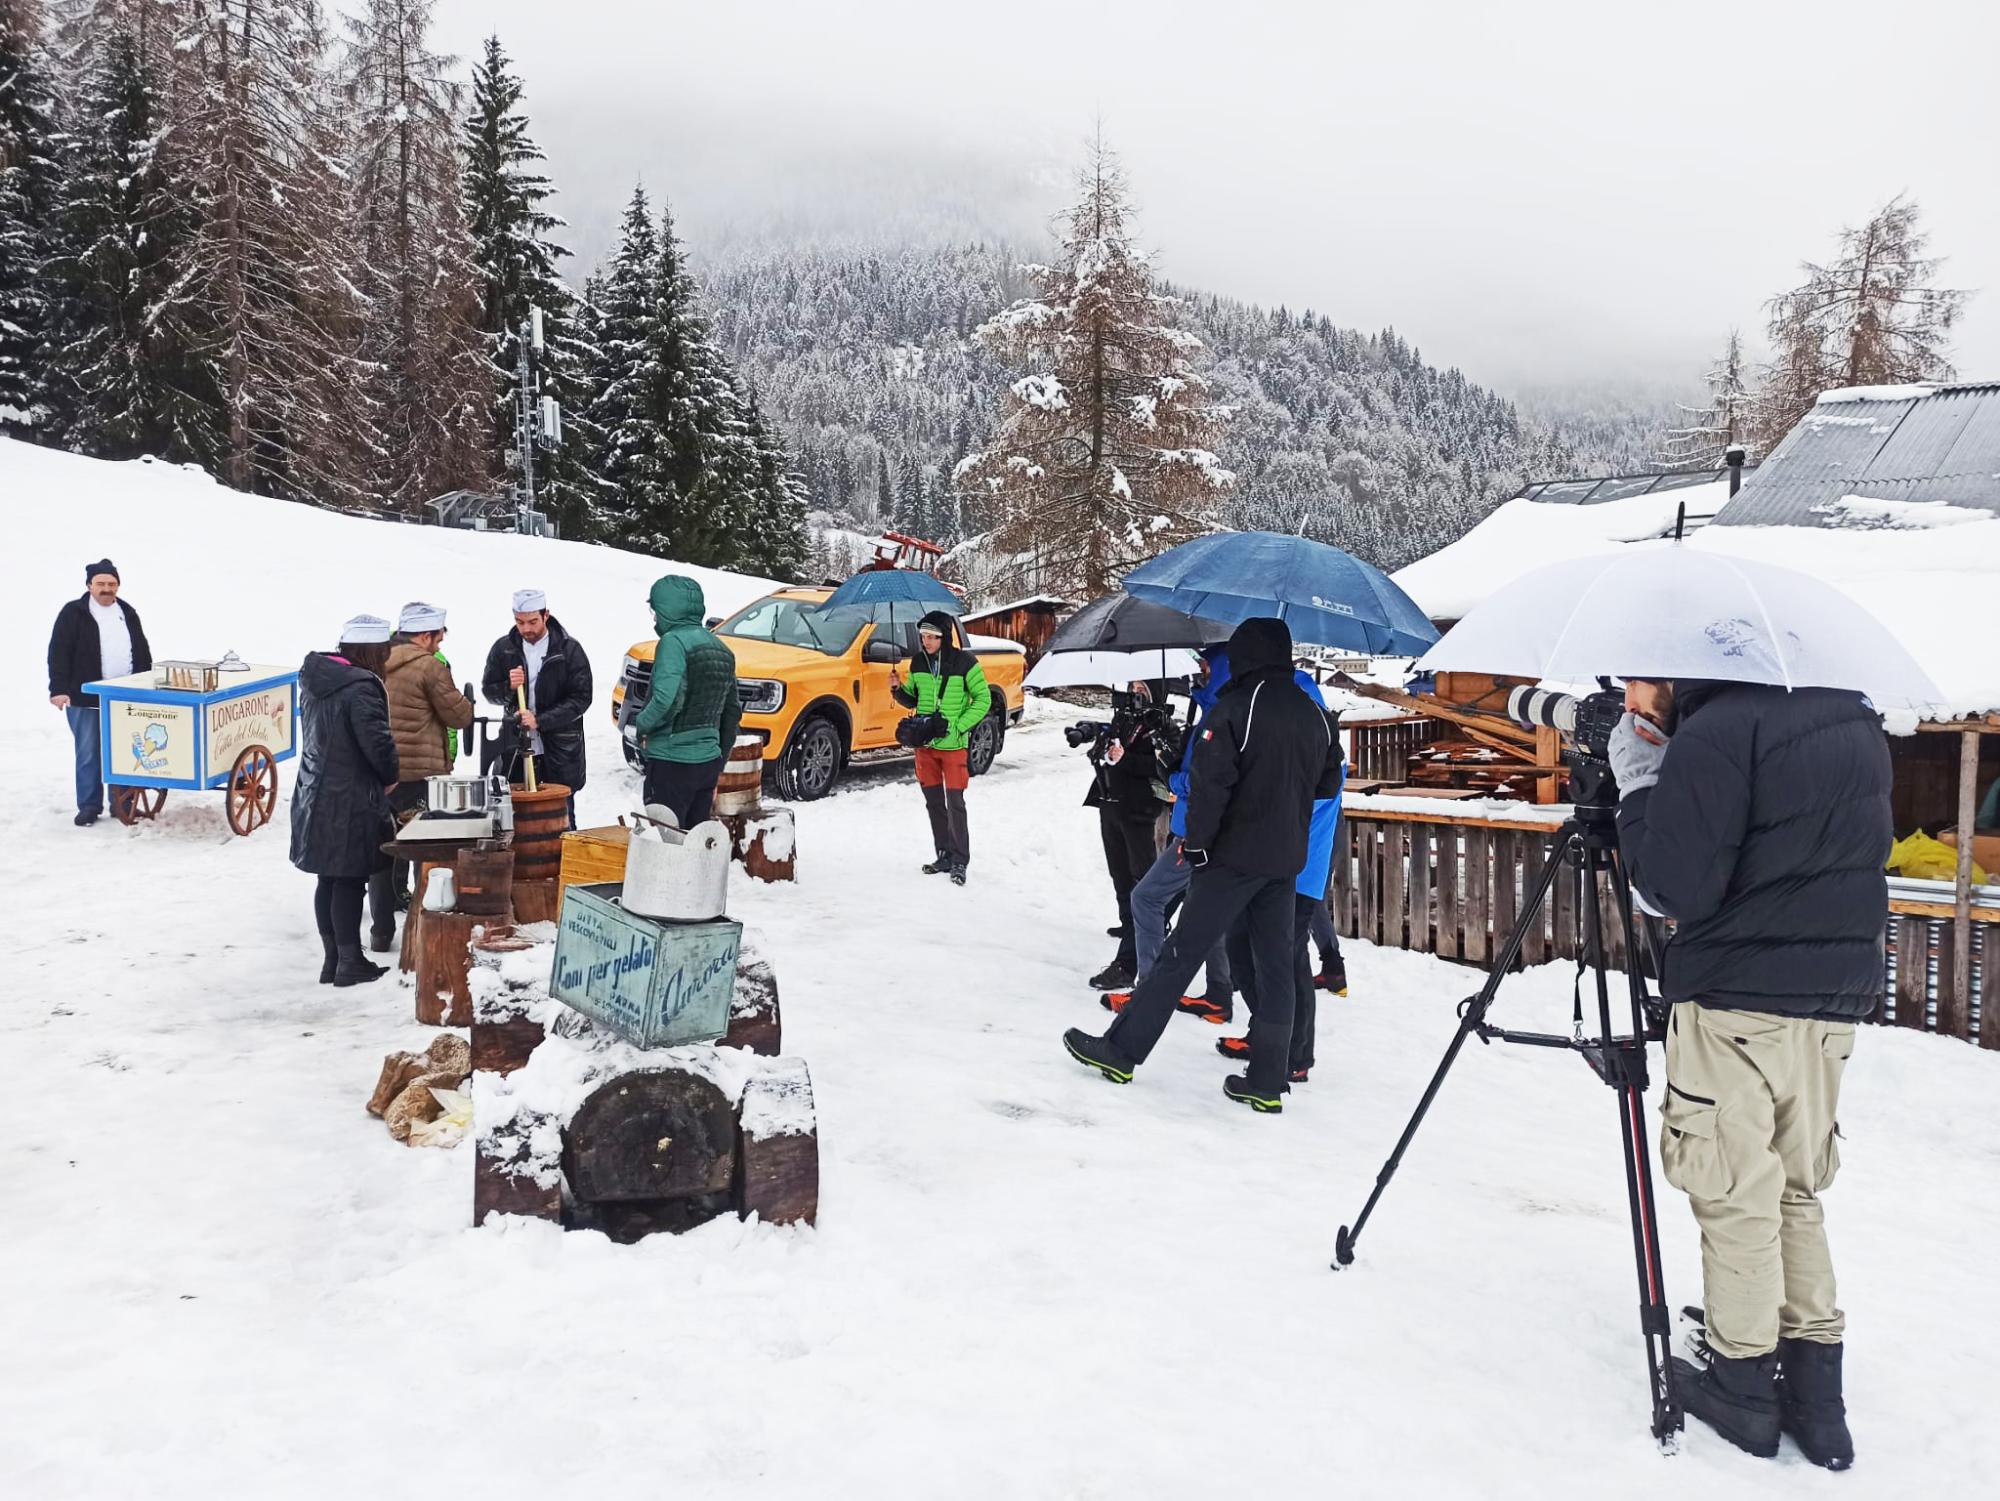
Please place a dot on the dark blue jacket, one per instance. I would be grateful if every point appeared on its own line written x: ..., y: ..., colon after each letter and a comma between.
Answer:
x: 1764, y: 839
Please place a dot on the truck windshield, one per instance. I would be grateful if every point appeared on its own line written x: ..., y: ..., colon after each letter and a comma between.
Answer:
x: 793, y: 622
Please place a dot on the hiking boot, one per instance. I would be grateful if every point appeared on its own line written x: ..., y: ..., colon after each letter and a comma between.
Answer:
x: 1114, y: 976
x: 1810, y: 1408
x: 381, y: 940
x: 85, y: 817
x: 351, y: 968
x: 1233, y: 1047
x: 1738, y: 1398
x: 1097, y: 1053
x: 1115, y: 1000
x: 958, y: 873
x: 1298, y: 1076
x: 1333, y: 980
x: 1220, y: 1011
x: 941, y: 866
x: 1237, y: 1087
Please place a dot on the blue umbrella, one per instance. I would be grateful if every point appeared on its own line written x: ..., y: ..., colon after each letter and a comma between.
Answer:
x: 895, y: 586
x: 1328, y: 597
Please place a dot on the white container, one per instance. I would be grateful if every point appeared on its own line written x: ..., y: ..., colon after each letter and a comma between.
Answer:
x: 441, y: 890
x: 678, y: 877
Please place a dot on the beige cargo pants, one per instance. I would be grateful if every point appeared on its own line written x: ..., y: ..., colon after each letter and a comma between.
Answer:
x: 1747, y: 1133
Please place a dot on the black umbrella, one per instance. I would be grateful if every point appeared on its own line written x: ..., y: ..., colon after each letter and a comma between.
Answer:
x: 1120, y: 623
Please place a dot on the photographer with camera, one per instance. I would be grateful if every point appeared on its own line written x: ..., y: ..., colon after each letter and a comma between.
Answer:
x: 1757, y: 819
x: 1262, y: 758
x: 947, y: 688
x: 1125, y: 759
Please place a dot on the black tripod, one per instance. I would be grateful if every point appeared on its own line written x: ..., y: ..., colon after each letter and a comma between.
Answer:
x: 1620, y: 1061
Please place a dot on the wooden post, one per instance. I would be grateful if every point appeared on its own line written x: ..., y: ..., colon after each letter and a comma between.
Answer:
x: 1955, y: 998
x: 444, y: 965
x: 1548, y: 752
x: 1913, y: 971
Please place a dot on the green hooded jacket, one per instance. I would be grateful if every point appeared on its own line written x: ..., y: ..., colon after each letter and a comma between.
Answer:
x: 692, y: 712
x: 952, y: 684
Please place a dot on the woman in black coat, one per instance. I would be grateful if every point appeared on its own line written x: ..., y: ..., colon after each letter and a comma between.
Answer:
x: 340, y: 807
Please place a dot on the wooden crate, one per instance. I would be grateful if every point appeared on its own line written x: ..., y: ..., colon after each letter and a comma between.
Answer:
x: 594, y: 857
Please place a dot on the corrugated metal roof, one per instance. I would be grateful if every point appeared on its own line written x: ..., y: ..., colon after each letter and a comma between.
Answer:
x: 1943, y: 445
x: 1592, y: 492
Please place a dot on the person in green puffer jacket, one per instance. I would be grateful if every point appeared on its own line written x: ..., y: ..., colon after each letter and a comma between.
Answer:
x: 948, y: 682
x: 691, y: 715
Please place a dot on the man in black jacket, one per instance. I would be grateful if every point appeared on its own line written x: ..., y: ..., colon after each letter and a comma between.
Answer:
x: 1261, y: 758
x: 97, y: 636
x: 539, y: 655
x: 1760, y: 826
x: 1125, y: 766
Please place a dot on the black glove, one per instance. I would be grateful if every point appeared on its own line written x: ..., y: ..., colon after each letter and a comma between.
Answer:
x: 1197, y: 858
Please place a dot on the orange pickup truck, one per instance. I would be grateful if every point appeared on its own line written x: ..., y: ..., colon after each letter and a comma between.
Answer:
x: 816, y: 687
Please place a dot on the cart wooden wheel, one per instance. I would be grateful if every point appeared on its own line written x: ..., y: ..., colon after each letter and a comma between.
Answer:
x: 253, y: 789
x: 130, y: 805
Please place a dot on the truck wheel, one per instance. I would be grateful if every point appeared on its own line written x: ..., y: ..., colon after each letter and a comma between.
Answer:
x: 983, y: 745
x: 809, y: 764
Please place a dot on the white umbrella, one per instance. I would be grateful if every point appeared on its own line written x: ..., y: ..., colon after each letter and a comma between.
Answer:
x: 1672, y: 611
x: 1112, y: 669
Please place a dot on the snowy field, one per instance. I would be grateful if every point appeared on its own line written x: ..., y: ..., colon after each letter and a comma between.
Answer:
x: 224, y: 1278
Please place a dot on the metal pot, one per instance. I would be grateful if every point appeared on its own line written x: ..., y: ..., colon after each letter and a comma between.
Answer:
x: 456, y: 794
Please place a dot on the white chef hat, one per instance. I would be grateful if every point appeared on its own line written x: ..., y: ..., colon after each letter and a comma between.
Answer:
x: 366, y: 630
x: 529, y: 599
x: 418, y: 617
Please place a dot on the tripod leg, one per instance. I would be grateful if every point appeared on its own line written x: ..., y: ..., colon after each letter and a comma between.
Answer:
x: 1474, y: 1017
x: 1655, y: 1321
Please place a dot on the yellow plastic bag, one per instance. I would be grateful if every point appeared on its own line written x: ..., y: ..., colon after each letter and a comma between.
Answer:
x: 1926, y: 859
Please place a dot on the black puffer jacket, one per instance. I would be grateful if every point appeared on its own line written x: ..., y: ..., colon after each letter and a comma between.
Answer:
x: 1262, y: 757
x: 1765, y: 839
x: 562, y: 696
x: 340, y: 814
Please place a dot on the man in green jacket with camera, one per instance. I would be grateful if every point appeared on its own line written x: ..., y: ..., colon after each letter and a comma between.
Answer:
x: 691, y: 715
x: 947, y: 687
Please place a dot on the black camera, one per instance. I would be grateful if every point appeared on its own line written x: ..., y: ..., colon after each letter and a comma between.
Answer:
x: 1086, y: 732
x: 1588, y: 722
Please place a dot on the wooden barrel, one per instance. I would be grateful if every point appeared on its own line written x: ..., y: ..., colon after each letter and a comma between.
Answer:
x: 485, y: 881
x: 742, y: 785
x: 540, y: 820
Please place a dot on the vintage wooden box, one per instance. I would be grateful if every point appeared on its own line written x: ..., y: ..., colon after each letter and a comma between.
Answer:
x: 655, y: 984
x: 594, y: 857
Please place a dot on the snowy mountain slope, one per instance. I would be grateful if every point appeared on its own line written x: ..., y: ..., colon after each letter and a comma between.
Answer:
x: 211, y: 570
x: 225, y: 1279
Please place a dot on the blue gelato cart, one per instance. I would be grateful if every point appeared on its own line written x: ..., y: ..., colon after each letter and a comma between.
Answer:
x: 197, y: 727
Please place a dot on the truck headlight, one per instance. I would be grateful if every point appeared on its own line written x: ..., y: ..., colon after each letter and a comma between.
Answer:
x: 760, y: 695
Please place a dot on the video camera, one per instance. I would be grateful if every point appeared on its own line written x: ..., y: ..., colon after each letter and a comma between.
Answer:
x: 1588, y: 722
x: 1131, y: 718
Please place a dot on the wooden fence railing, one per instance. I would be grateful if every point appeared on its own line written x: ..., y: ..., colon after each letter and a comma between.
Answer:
x: 1379, y: 750
x: 1454, y: 886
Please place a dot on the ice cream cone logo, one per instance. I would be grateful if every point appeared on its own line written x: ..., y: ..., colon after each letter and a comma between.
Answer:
x: 149, y: 748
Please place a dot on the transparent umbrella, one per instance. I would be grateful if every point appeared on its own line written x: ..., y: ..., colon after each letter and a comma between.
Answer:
x: 1673, y: 611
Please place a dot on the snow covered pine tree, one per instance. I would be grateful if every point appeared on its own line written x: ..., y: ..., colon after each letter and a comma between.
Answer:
x: 1871, y: 318
x: 1712, y: 430
x: 1103, y: 457
x: 29, y: 188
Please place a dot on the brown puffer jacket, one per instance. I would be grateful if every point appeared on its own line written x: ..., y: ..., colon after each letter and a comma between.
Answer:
x: 423, y: 703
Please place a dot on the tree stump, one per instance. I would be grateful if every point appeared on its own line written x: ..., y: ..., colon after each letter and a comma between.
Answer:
x: 536, y: 901
x: 777, y: 1151
x: 753, y: 1007
x: 769, y: 845
x: 444, y: 964
x: 651, y: 1151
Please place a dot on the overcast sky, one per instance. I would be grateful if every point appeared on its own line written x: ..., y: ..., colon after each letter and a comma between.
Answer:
x: 1536, y: 191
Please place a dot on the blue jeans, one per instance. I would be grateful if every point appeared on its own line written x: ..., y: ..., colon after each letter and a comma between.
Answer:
x: 1155, y: 893
x: 89, y: 759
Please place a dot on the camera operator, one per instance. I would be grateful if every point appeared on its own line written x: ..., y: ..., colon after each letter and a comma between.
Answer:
x: 1758, y: 820
x: 1125, y: 764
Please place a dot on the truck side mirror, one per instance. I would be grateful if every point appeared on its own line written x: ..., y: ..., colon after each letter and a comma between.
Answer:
x: 887, y: 653
x: 711, y: 623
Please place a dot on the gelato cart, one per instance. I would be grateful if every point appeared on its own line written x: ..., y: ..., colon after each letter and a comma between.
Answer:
x: 197, y: 727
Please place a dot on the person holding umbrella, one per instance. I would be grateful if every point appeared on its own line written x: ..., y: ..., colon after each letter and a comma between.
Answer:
x: 947, y: 688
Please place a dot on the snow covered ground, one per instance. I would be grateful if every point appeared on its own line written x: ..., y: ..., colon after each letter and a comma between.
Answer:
x: 225, y: 1279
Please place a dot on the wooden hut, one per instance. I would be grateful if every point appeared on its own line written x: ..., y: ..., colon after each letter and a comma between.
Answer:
x: 1030, y: 622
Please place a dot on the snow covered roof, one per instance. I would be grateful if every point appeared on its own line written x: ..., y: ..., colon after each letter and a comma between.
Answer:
x: 1538, y: 526
x: 1019, y: 604
x: 1915, y: 444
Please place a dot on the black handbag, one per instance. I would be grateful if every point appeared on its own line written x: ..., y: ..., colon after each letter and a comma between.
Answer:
x: 919, y: 730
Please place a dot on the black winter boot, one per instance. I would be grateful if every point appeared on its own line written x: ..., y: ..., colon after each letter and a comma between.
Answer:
x: 354, y: 968
x: 381, y: 940
x: 330, y: 963
x: 1810, y: 1408
x: 1114, y: 976
x: 1738, y: 1398
x: 940, y: 866
x: 1100, y: 1054
x: 1263, y: 1101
